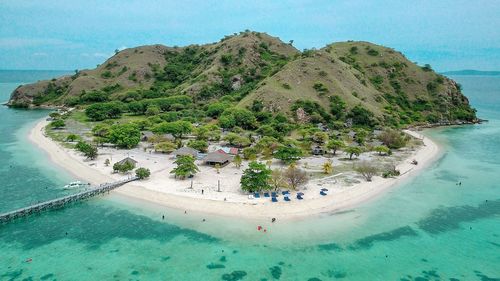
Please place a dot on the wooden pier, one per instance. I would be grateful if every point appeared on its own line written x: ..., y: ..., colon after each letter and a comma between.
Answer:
x: 62, y: 201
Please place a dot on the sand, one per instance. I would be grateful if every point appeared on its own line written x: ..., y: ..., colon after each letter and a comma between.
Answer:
x: 163, y: 189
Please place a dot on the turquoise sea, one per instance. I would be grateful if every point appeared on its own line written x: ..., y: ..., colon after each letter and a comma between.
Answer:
x: 428, y: 228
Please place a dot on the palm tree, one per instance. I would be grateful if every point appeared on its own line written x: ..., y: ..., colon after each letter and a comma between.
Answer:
x: 328, y: 167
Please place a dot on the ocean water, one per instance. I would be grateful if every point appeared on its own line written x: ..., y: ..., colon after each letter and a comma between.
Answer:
x: 428, y: 228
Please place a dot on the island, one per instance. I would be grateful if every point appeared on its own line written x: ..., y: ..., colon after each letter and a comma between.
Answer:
x: 248, y: 126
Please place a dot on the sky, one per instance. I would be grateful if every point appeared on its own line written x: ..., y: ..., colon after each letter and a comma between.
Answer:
x: 78, y: 34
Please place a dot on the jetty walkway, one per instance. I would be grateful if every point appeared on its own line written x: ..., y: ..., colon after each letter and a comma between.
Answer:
x: 63, y: 201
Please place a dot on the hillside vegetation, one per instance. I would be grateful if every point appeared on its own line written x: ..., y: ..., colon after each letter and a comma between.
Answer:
x: 251, y: 80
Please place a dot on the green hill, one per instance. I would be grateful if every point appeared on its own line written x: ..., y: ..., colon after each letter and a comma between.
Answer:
x: 356, y: 83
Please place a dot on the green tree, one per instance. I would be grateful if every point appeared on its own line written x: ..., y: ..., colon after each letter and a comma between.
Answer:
x: 320, y: 137
x: 123, y: 168
x: 142, y: 173
x: 57, y: 124
x: 250, y: 153
x: 255, y: 177
x: 102, y: 111
x: 176, y: 128
x: 352, y: 150
x: 335, y: 145
x: 381, y: 149
x: 393, y: 139
x: 288, y: 154
x: 72, y: 138
x: 199, y: 145
x: 237, y: 161
x: 185, y: 167
x: 165, y: 147
x: 88, y: 150
x: 125, y: 135
x: 153, y: 110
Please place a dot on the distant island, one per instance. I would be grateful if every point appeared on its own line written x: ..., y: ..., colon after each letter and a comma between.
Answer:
x: 472, y: 72
x: 247, y: 122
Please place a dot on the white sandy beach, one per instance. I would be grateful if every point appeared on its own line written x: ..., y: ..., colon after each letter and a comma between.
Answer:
x: 163, y: 189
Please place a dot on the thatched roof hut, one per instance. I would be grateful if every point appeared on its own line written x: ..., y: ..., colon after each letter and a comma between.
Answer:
x: 183, y: 151
x: 127, y: 160
x: 217, y: 157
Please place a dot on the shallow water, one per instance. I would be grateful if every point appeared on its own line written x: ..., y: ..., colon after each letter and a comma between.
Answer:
x: 426, y: 229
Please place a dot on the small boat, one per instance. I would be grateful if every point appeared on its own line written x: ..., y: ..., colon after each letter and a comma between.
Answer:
x: 74, y: 184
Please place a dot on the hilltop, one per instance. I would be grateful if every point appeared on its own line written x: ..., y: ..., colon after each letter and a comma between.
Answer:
x: 353, y: 83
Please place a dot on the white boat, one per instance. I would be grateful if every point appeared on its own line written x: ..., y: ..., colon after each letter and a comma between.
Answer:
x: 74, y: 184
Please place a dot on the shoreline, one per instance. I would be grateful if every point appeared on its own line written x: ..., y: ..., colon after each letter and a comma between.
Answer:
x: 256, y: 209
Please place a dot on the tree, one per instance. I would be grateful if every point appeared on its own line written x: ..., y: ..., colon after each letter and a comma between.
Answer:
x: 250, y: 153
x: 335, y: 145
x: 123, y: 168
x: 303, y: 133
x: 88, y: 150
x: 142, y: 173
x: 328, y: 167
x: 367, y: 170
x: 237, y: 140
x: 185, y: 167
x: 393, y: 139
x: 320, y: 137
x: 101, y: 130
x: 176, y: 128
x: 165, y: 147
x: 288, y: 154
x: 72, y: 138
x: 102, y: 111
x: 54, y: 115
x: 353, y: 150
x: 361, y: 116
x: 57, y: 124
x: 125, y: 135
x: 277, y: 180
x: 237, y: 161
x: 255, y: 177
x: 153, y: 110
x: 381, y: 149
x: 200, y: 145
x: 295, y: 177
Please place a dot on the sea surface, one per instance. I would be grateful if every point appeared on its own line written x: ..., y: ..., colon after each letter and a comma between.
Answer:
x: 428, y: 228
